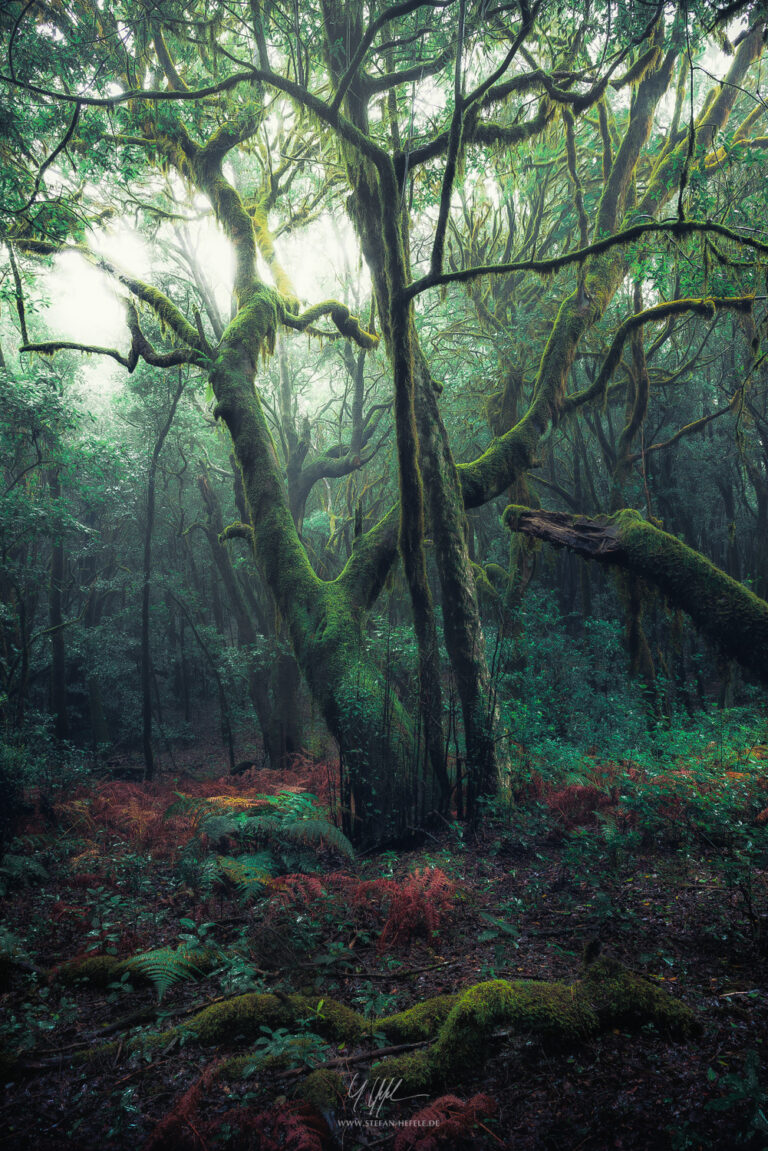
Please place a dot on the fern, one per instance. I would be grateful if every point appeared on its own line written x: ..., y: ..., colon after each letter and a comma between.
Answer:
x: 175, y: 1132
x: 317, y: 831
x: 223, y: 824
x: 417, y: 907
x: 250, y: 873
x: 444, y: 1123
x: 279, y: 833
x: 20, y: 869
x: 165, y: 967
x: 198, y: 809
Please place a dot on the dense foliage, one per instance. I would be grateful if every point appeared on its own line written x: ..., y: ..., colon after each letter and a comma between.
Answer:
x: 383, y: 406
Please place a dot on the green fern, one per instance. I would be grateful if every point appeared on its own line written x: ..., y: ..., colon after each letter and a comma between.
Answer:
x: 288, y: 827
x: 20, y: 869
x: 250, y: 873
x: 224, y: 823
x: 317, y: 832
x: 166, y: 966
x: 313, y: 831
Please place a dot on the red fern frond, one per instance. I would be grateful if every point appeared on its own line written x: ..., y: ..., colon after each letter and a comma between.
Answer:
x: 296, y: 890
x: 281, y: 1127
x: 444, y: 1123
x: 577, y: 805
x: 370, y: 894
x: 417, y: 908
x: 177, y: 1131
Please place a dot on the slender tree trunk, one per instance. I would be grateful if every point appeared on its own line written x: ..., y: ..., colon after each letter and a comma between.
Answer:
x: 146, y: 652
x: 58, y: 673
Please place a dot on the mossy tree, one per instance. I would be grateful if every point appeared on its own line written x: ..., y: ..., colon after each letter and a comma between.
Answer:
x: 183, y: 98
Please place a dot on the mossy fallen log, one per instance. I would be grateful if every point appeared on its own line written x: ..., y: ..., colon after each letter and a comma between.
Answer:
x: 464, y: 1028
x: 721, y: 607
x: 559, y: 1014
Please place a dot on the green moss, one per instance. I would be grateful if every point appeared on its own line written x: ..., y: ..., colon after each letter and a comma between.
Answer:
x: 243, y: 1016
x: 557, y: 1014
x: 724, y: 609
x: 235, y: 1067
x: 240, y: 1017
x: 414, y: 1068
x: 100, y: 970
x: 619, y: 997
x: 418, y: 1022
x: 552, y: 1011
x: 252, y: 330
x: 323, y: 1089
x: 167, y: 312
x: 463, y: 1026
x: 333, y: 1019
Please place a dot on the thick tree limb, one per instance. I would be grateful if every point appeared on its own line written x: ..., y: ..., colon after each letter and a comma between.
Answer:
x: 347, y: 324
x: 630, y: 235
x: 721, y: 607
x: 50, y: 347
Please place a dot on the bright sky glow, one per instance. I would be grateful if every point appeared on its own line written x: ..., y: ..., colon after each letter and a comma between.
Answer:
x: 322, y: 259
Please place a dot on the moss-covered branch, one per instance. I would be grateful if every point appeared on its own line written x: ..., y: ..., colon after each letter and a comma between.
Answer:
x: 168, y: 315
x: 140, y: 349
x: 558, y: 1014
x: 372, y: 556
x: 50, y: 347
x: 347, y: 324
x: 721, y: 607
x: 621, y: 238
x: 706, y: 306
x: 237, y: 531
x: 512, y: 453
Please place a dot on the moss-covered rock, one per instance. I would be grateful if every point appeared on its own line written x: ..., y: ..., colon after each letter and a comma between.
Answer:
x: 99, y: 970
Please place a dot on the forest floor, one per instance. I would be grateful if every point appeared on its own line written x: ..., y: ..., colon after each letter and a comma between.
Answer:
x: 127, y: 909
